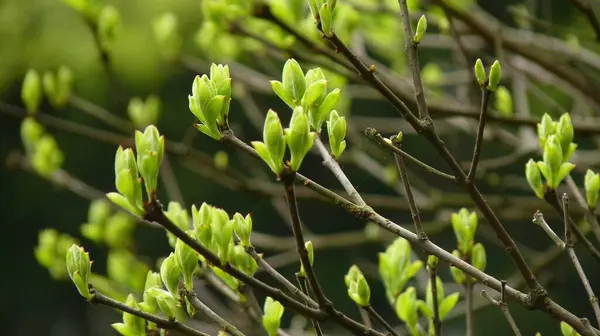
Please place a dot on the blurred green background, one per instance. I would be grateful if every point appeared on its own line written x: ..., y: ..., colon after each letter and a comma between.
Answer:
x: 44, y: 34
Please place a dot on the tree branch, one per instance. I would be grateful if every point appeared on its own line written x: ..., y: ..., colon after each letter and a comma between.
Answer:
x: 479, y: 139
x: 161, y: 322
x: 196, y: 303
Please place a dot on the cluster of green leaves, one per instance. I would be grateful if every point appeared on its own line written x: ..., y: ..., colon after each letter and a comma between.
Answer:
x: 41, y: 148
x: 464, y: 224
x: 556, y: 142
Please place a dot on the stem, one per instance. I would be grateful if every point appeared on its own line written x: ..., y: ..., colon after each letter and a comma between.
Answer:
x: 280, y: 278
x: 503, y: 307
x: 575, y: 260
x: 538, y: 218
x: 414, y: 211
x: 331, y: 164
x: 437, y: 324
x: 288, y: 178
x: 469, y: 302
x: 304, y: 286
x: 552, y: 198
x: 375, y: 135
x: 100, y: 114
x: 196, y: 303
x: 381, y: 320
x: 161, y: 322
x: 479, y: 139
x: 411, y: 48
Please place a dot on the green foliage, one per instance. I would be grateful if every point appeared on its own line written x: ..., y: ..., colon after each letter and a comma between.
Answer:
x: 396, y: 268
x: 132, y: 325
x: 79, y: 269
x: 31, y: 91
x: 358, y: 288
x: 273, y: 311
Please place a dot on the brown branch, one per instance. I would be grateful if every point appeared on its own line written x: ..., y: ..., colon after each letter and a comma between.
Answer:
x: 480, y: 129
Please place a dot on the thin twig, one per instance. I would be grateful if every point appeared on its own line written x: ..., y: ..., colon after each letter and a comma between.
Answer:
x: 503, y: 307
x: 331, y: 164
x: 437, y: 323
x: 470, y: 321
x: 411, y: 48
x: 485, y: 93
x: 161, y: 322
x: 288, y: 178
x: 280, y: 278
x: 575, y: 260
x: 304, y: 287
x: 101, y: 114
x: 375, y: 135
x: 414, y: 211
x: 381, y: 320
x: 552, y: 198
x: 198, y: 305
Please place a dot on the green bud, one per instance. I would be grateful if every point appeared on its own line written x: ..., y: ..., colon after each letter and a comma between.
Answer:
x: 299, y: 138
x: 311, y: 256
x: 202, y: 219
x: 108, y: 23
x: 50, y: 88
x: 179, y: 216
x: 553, y: 168
x: 282, y: 92
x: 153, y: 280
x: 358, y: 288
x: 272, y: 149
x: 396, y: 269
x: 592, y: 188
x: 243, y: 228
x: 273, y: 311
x: 480, y: 72
x: 127, y: 182
x: 313, y: 75
x: 326, y: 16
x: 79, y: 269
x: 406, y: 308
x: 495, y: 76
x: 479, y: 257
x: 51, y: 250
x: 315, y: 91
x: 532, y: 173
x: 564, y: 132
x: 432, y: 261
x: 144, y: 113
x: 336, y: 129
x: 314, y: 8
x: 222, y: 233
x: 165, y: 301
x: 243, y: 261
x: 187, y: 259
x: 64, y: 83
x: 31, y: 132
x: 421, y: 28
x: 504, y: 103
x: 229, y: 280
x: 126, y: 270
x: 567, y: 330
x: 447, y: 304
x: 47, y: 157
x: 132, y: 325
x: 545, y: 129
x: 31, y: 91
x: 165, y: 31
x: 221, y: 160
x: 170, y: 272
x: 119, y: 230
x: 458, y: 275
x: 464, y: 224
x: 318, y: 115
x: 150, y: 147
x: 293, y: 79
x: 214, y: 110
